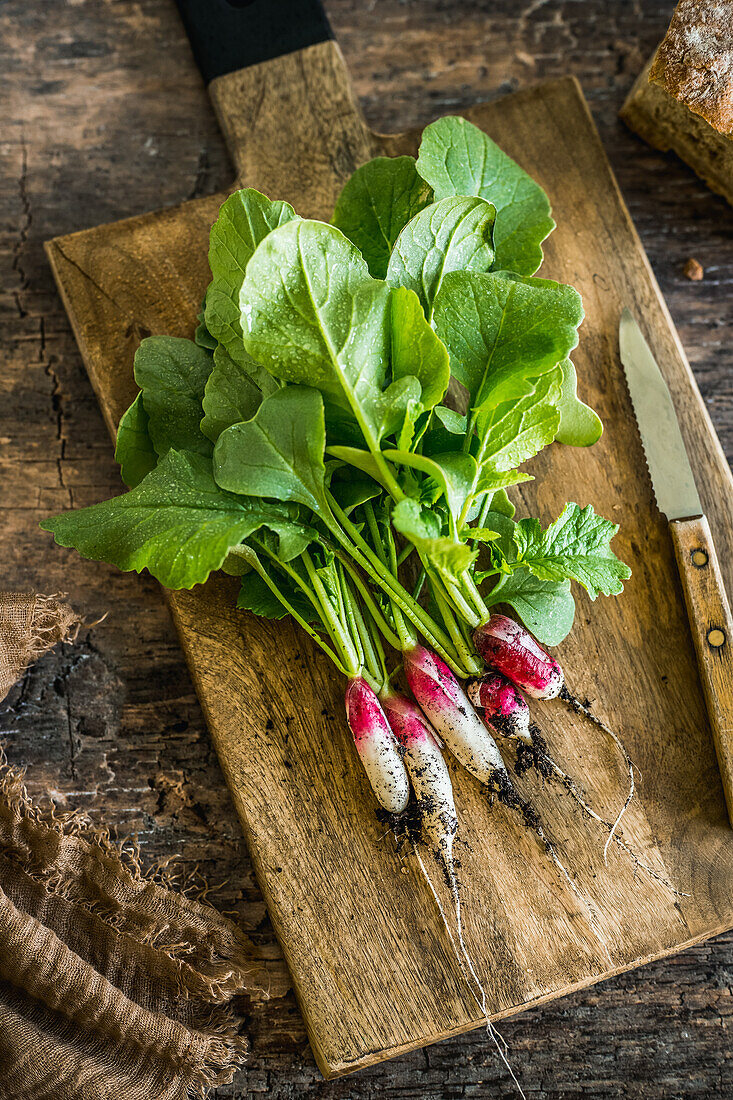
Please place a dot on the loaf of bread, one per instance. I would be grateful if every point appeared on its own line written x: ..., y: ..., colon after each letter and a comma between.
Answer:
x: 665, y: 123
x: 683, y: 100
x: 695, y: 60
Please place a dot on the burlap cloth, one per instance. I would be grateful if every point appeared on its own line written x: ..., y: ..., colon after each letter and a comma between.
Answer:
x: 111, y: 984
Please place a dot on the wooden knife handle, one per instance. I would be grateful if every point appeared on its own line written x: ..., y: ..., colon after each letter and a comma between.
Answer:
x: 712, y: 629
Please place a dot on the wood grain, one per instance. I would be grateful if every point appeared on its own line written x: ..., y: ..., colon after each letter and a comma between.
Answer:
x: 374, y: 981
x: 711, y: 623
x: 106, y: 117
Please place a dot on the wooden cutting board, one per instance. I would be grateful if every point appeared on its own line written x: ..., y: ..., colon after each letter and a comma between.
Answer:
x: 370, y: 961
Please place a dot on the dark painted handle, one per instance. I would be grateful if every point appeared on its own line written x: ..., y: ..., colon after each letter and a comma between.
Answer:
x: 228, y: 35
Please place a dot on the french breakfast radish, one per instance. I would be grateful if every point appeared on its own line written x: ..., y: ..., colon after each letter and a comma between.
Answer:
x: 503, y: 706
x: 376, y: 746
x: 511, y: 650
x: 449, y: 709
x: 428, y: 774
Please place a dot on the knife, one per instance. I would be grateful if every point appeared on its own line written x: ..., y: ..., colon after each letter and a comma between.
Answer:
x: 676, y: 493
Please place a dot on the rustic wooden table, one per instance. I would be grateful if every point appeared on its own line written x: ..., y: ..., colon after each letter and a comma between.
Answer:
x: 107, y: 117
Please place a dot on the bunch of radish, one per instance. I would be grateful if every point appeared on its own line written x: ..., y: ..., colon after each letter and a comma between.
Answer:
x: 399, y: 741
x: 340, y: 435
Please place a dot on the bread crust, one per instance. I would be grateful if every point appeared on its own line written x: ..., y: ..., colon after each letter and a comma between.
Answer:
x: 695, y: 60
x: 666, y: 123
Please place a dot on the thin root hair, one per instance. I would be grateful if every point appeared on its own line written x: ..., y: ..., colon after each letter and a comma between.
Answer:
x: 538, y: 756
x: 584, y: 709
x: 467, y: 968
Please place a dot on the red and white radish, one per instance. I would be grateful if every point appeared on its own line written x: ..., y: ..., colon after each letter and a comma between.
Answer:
x: 511, y: 650
x: 503, y: 706
x: 428, y: 774
x: 377, y: 746
x: 449, y: 709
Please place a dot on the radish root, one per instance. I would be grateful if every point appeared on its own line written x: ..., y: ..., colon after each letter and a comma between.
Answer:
x: 539, y: 756
x: 584, y: 709
x: 510, y: 798
x: 465, y: 963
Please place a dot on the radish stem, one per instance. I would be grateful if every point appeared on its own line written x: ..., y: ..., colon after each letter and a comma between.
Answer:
x: 254, y: 561
x: 387, y: 633
x: 340, y: 637
x: 351, y: 539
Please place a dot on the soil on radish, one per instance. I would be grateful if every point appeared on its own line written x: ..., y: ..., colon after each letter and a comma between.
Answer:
x: 537, y: 756
x: 407, y: 828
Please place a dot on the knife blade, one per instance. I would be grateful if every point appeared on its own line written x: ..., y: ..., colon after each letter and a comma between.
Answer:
x: 674, y: 487
x: 666, y: 456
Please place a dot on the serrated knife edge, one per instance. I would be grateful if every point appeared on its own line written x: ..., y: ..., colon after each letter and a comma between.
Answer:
x: 664, y: 448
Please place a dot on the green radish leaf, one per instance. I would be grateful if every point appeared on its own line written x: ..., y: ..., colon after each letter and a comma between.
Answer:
x: 501, y: 503
x: 503, y: 548
x: 376, y: 203
x: 422, y: 528
x: 416, y: 350
x: 351, y: 490
x: 580, y: 426
x: 503, y: 334
x: 287, y: 537
x: 490, y: 480
x: 481, y: 534
x: 546, y: 608
x: 452, y: 421
x: 313, y: 315
x: 575, y: 547
x: 230, y: 396
x: 515, y: 431
x: 245, y: 219
x: 279, y: 453
x: 451, y: 235
x: 456, y: 158
x: 134, y: 450
x: 406, y: 436
x: 172, y: 375
x: 362, y: 460
x: 177, y: 523
x: 235, y: 564
x: 342, y: 429
x: 445, y: 426
x: 202, y: 336
x: 256, y: 596
x: 292, y: 538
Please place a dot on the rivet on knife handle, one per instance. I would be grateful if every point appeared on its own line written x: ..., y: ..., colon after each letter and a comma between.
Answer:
x: 712, y: 628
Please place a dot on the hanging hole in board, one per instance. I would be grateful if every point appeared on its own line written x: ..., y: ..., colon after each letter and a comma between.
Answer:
x: 716, y: 637
x: 699, y: 558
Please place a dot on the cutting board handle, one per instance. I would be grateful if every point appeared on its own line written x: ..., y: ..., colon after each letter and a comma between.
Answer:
x: 293, y: 128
